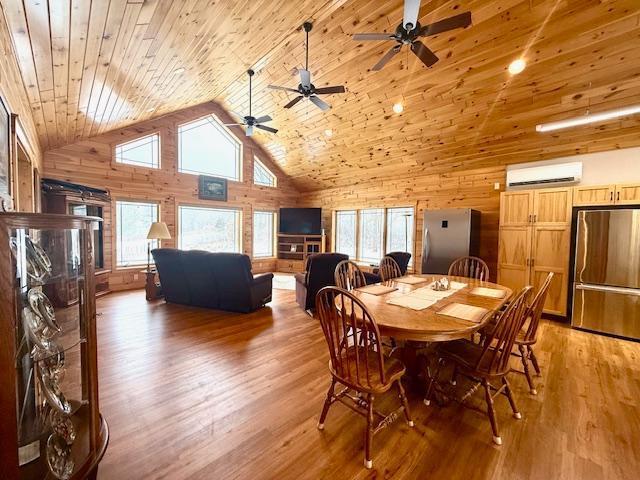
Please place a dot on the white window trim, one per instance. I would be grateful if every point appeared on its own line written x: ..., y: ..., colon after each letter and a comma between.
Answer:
x: 334, y: 232
x: 227, y: 131
x: 261, y: 164
x: 140, y: 165
x: 273, y: 239
x: 239, y: 228
x: 130, y: 266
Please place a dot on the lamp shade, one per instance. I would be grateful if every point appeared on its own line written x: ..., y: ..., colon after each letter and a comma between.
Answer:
x: 158, y: 231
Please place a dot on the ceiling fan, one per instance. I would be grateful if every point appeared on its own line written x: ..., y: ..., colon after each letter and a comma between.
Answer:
x: 408, y: 32
x: 250, y: 121
x: 306, y: 89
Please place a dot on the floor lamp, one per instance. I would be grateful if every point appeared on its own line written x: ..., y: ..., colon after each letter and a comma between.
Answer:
x: 157, y: 231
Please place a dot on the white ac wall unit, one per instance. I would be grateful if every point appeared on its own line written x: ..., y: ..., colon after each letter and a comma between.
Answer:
x: 559, y: 174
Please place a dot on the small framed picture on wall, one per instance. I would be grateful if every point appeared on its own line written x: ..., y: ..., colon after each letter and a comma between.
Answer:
x: 212, y: 188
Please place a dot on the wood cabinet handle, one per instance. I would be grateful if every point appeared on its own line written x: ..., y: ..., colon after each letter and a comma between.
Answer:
x: 527, y: 262
x: 611, y: 197
x: 532, y: 262
x: 535, y: 218
x: 618, y: 197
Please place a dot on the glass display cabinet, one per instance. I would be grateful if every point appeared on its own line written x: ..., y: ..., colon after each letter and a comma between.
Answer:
x: 51, y: 425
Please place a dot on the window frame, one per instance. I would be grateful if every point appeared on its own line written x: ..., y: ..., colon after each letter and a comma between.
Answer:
x: 239, y: 227
x: 155, y: 133
x: 225, y: 131
x: 411, y: 230
x: 355, y: 229
x: 357, y: 258
x: 260, y: 163
x: 273, y: 236
x: 116, y: 216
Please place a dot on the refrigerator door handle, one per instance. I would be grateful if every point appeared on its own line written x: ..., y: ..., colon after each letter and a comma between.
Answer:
x: 425, y: 242
x: 604, y: 288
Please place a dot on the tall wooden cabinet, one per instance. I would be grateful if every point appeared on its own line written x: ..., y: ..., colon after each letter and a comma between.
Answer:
x: 621, y: 194
x: 535, y: 227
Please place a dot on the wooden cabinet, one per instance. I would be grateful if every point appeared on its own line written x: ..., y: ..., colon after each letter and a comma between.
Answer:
x: 293, y: 250
x: 535, y: 228
x: 593, y: 195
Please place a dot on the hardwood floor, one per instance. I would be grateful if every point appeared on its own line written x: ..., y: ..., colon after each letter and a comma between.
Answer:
x: 194, y: 393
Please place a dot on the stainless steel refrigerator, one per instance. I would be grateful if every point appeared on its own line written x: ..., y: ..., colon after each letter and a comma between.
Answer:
x: 606, y: 288
x: 447, y: 235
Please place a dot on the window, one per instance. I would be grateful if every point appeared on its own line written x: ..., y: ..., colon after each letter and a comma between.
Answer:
x: 262, y: 175
x: 371, y: 238
x: 211, y: 229
x: 133, y: 220
x: 263, y: 234
x: 143, y: 152
x: 205, y: 147
x: 346, y: 232
x: 399, y: 230
x: 366, y: 235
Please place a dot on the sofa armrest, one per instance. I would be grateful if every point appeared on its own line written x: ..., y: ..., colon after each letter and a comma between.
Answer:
x: 301, y: 278
x: 261, y: 290
x: 261, y: 278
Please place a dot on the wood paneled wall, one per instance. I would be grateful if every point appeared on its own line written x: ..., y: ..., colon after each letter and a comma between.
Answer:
x: 457, y: 189
x: 90, y: 162
x: 14, y: 94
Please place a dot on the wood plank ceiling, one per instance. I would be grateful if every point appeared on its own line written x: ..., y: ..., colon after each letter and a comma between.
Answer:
x: 92, y: 66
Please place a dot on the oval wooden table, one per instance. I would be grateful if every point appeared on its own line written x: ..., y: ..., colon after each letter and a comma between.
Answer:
x: 403, y: 323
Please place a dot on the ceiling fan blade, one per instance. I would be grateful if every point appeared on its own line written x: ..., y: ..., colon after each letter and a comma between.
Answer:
x: 410, y: 16
x: 424, y: 53
x: 373, y: 36
x: 264, y: 119
x: 249, y: 130
x: 462, y: 20
x: 294, y: 101
x: 321, y: 104
x: 305, y: 78
x: 286, y: 89
x: 325, y: 90
x: 387, y: 56
x: 268, y: 129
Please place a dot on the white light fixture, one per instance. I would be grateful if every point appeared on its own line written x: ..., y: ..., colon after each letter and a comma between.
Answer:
x: 398, y: 107
x: 589, y: 118
x: 517, y: 66
x: 179, y: 70
x: 328, y: 132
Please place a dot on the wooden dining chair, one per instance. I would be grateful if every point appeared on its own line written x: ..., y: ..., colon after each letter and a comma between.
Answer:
x: 528, y: 334
x: 470, y: 267
x: 489, y: 361
x: 349, y: 276
x: 389, y: 269
x: 357, y: 362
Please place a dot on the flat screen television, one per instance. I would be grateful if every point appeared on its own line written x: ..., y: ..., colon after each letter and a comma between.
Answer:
x: 298, y: 221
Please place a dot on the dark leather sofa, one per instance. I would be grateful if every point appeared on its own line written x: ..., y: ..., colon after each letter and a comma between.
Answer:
x: 214, y: 280
x: 319, y: 273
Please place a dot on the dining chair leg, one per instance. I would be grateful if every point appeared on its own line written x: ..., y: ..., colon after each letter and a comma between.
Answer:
x: 327, y: 404
x: 534, y: 360
x: 509, y: 394
x: 368, y: 463
x: 405, y: 403
x: 432, y: 379
x: 525, y: 363
x: 491, y: 412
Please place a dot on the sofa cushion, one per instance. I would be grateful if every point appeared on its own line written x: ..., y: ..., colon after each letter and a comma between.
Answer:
x: 201, y: 279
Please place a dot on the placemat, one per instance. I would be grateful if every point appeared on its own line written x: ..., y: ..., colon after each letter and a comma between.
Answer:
x: 457, y: 285
x: 429, y: 293
x: 410, y: 280
x: 376, y: 289
x: 465, y: 312
x: 409, y: 301
x: 488, y: 292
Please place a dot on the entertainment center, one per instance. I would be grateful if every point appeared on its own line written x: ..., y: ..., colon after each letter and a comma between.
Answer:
x: 300, y: 234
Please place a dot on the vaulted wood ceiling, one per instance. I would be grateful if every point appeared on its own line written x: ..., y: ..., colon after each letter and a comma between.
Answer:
x: 92, y: 66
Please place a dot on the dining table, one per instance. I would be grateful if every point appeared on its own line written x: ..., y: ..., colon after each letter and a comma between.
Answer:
x: 414, y: 326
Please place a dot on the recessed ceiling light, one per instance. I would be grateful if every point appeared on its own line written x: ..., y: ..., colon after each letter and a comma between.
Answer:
x: 179, y: 70
x: 590, y: 118
x: 398, y: 107
x: 328, y: 132
x: 517, y: 66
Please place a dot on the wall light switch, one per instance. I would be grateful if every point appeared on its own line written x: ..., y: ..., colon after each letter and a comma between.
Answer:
x: 496, y: 186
